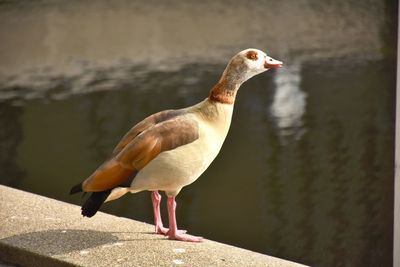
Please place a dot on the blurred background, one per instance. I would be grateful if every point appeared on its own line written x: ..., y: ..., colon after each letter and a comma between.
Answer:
x: 307, y: 170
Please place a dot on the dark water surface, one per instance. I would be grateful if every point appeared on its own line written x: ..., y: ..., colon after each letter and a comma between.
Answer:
x: 306, y: 172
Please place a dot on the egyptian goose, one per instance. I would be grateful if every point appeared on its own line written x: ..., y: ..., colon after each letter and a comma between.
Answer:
x: 172, y: 148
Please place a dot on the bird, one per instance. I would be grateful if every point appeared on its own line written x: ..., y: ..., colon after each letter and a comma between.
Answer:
x: 171, y: 149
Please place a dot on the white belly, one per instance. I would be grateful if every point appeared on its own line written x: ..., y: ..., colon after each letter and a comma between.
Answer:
x: 174, y: 169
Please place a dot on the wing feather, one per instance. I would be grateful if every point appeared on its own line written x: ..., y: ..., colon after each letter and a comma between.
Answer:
x: 144, y: 125
x: 143, y: 143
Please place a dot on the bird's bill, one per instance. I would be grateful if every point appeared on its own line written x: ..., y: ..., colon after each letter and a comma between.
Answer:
x: 271, y: 63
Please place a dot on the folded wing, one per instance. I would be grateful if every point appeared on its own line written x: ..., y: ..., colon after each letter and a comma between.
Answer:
x: 141, y: 144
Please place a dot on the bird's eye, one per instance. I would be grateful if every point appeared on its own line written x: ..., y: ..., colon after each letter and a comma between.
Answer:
x: 252, y: 55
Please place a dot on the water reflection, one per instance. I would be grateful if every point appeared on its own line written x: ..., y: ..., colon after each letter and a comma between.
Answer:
x: 79, y: 46
x: 309, y: 201
x: 289, y: 102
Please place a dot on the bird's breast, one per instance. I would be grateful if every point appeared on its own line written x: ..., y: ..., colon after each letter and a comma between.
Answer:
x: 173, y: 169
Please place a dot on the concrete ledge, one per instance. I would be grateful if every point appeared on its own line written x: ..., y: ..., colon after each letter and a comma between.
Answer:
x: 39, y: 231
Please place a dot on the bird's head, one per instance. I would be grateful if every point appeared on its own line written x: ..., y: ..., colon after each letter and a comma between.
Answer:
x: 248, y: 63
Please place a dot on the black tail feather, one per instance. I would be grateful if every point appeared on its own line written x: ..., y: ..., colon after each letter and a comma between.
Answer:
x: 76, y: 189
x: 93, y: 203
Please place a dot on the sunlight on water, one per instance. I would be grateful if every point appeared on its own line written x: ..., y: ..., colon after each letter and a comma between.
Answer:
x: 289, y: 103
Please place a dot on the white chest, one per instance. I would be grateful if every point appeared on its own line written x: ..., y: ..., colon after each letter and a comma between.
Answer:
x: 171, y: 170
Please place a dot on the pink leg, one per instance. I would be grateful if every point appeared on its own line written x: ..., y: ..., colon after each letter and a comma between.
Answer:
x: 156, y: 199
x: 160, y: 229
x: 173, y: 232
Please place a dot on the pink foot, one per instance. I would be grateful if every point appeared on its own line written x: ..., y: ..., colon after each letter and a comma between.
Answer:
x: 161, y: 230
x: 164, y: 231
x: 174, y: 233
x: 184, y: 237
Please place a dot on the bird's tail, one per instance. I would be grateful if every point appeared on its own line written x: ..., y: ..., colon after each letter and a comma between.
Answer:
x: 76, y: 189
x: 93, y: 203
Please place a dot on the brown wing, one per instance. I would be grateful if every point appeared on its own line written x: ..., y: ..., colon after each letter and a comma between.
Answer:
x: 109, y: 175
x: 141, y: 149
x: 161, y: 137
x: 144, y: 125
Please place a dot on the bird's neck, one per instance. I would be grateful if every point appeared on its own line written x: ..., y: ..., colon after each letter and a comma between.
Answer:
x: 224, y: 91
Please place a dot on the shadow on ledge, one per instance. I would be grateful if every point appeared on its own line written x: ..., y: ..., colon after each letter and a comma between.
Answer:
x: 61, y: 241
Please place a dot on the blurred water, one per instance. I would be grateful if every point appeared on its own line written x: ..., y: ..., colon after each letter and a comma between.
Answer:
x: 306, y: 172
